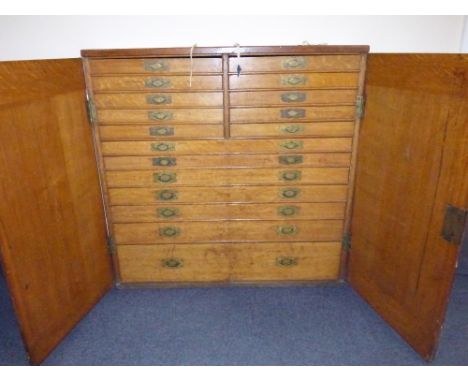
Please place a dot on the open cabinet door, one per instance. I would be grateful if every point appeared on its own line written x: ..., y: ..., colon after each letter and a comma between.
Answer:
x: 52, y: 227
x: 412, y: 164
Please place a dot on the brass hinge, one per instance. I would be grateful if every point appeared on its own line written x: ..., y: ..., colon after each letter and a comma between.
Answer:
x: 454, y: 224
x: 346, y: 242
x: 360, y: 106
x: 92, y: 115
x: 111, y: 246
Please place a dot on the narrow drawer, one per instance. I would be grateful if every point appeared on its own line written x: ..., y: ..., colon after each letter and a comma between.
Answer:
x: 206, y: 212
x: 158, y: 132
x: 155, y: 83
x: 164, y: 116
x: 173, y: 263
x: 225, y: 177
x: 155, y: 65
x: 301, y: 129
x: 240, y: 194
x: 288, y: 98
x: 274, y: 114
x: 155, y: 100
x: 228, y: 146
x: 296, y: 80
x: 292, y: 63
x: 227, y: 161
x: 228, y: 231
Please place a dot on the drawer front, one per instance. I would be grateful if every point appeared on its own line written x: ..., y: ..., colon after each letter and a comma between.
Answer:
x: 285, y: 261
x: 161, y: 100
x: 173, y: 263
x: 291, y: 98
x: 242, y: 194
x: 296, y: 80
x: 163, y: 116
x: 228, y: 146
x: 252, y: 115
x: 184, y: 212
x: 294, y: 63
x: 285, y: 130
x: 155, y: 83
x: 227, y: 161
x: 158, y: 132
x: 228, y: 231
x: 155, y: 65
x: 224, y: 177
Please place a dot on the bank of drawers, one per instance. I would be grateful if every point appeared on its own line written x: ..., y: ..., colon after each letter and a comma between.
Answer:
x: 188, y: 204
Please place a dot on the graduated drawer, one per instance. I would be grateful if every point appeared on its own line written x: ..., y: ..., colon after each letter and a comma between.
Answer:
x: 228, y: 231
x: 224, y: 177
x: 110, y: 116
x: 202, y: 212
x: 227, y: 161
x: 158, y: 132
x: 284, y: 130
x: 292, y: 63
x: 161, y: 83
x: 239, y: 194
x: 228, y: 146
x: 163, y: 100
x: 173, y: 263
x: 287, y: 98
x: 297, y: 80
x: 275, y: 114
x: 155, y: 65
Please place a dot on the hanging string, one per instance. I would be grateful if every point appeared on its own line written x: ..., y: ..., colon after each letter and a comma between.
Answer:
x: 191, y: 63
x: 238, y: 59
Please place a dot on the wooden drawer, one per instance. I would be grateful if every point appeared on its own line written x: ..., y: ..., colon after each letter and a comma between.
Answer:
x: 157, y: 132
x: 291, y: 98
x: 154, y: 100
x: 228, y: 231
x: 228, y: 146
x: 274, y: 114
x: 173, y: 263
x: 224, y: 177
x: 284, y: 130
x: 294, y: 81
x: 155, y: 65
x: 155, y: 83
x: 227, y: 161
x: 109, y: 116
x: 201, y: 212
x: 239, y: 194
x: 295, y: 63
x: 285, y: 261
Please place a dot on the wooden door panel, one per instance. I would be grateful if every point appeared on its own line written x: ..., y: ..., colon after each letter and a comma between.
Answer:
x: 52, y: 232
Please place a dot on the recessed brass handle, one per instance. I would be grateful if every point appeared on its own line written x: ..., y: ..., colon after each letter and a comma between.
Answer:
x: 290, y: 176
x: 158, y: 99
x: 287, y: 230
x: 290, y: 159
x: 167, y: 195
x: 155, y: 65
x: 157, y: 83
x: 160, y: 115
x: 294, y: 80
x: 167, y: 212
x: 165, y: 177
x: 293, y: 113
x: 293, y: 97
x: 161, y: 131
x: 290, y: 193
x: 163, y: 146
x: 164, y: 161
x: 288, y: 211
x: 294, y: 63
x: 172, y: 263
x: 286, y: 261
x: 169, y: 231
x: 292, y: 145
x: 292, y: 129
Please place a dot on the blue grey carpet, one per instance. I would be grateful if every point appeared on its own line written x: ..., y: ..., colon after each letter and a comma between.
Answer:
x: 320, y: 325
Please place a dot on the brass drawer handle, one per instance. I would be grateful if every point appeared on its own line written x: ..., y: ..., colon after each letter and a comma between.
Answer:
x: 163, y: 146
x: 294, y: 63
x: 292, y: 129
x: 286, y: 261
x: 290, y: 193
x: 290, y: 159
x: 155, y: 65
x: 160, y: 115
x: 290, y: 176
x: 287, y: 230
x: 164, y: 161
x: 172, y: 263
x: 294, y: 80
x: 293, y: 113
x: 293, y: 97
x: 165, y: 177
x: 292, y: 145
x: 168, y: 212
x: 161, y: 131
x: 158, y: 99
x: 167, y: 195
x: 157, y: 83
x: 169, y: 231
x: 288, y: 211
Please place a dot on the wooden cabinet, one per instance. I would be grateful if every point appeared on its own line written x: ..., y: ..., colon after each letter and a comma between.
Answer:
x: 214, y: 169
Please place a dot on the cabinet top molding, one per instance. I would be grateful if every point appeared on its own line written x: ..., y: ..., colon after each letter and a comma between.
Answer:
x: 231, y: 50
